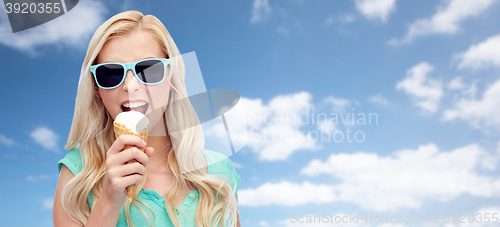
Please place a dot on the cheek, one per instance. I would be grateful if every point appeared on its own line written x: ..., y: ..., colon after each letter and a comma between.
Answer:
x: 159, y: 95
x: 109, y: 99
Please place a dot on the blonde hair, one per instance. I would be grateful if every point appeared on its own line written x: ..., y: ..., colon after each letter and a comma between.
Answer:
x: 92, y: 131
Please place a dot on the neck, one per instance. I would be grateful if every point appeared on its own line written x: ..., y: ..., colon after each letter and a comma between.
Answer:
x: 157, y: 163
x: 160, y: 140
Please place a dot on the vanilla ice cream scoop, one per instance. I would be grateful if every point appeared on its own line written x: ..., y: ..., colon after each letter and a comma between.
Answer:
x: 133, y: 120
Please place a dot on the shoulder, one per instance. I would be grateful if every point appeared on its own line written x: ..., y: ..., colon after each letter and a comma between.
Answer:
x: 72, y: 160
x: 215, y: 159
x: 217, y: 162
x: 219, y: 165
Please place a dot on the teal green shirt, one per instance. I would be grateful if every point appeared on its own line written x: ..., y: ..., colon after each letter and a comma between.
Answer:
x: 218, y: 165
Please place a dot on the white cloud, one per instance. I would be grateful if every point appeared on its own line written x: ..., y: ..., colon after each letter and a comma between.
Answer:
x: 472, y: 90
x: 376, y: 9
x: 45, y: 137
x: 466, y: 90
x: 456, y: 84
x: 6, y: 141
x: 480, y: 113
x: 260, y: 10
x: 408, y: 177
x: 338, y: 104
x: 291, y: 103
x: 425, y: 91
x: 404, y: 179
x: 326, y: 126
x: 379, y: 99
x: 48, y: 203
x: 73, y: 29
x: 286, y: 194
x: 446, y: 20
x: 273, y: 128
x: 481, y: 55
x: 263, y: 223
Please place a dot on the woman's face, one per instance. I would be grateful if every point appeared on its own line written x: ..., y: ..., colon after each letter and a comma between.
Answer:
x: 133, y: 47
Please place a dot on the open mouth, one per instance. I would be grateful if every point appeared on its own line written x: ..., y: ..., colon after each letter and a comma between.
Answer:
x: 135, y: 106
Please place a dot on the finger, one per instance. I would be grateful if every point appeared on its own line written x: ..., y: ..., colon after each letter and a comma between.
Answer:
x: 130, y: 180
x: 123, y: 140
x: 129, y: 169
x: 129, y: 155
x: 149, y: 151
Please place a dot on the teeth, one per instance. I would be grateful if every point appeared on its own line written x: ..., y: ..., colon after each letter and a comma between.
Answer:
x: 134, y: 104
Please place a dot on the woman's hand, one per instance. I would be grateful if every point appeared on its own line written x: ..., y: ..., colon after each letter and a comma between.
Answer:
x: 119, y: 175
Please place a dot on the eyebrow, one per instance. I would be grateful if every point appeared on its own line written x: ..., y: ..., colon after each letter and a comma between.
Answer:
x: 120, y: 62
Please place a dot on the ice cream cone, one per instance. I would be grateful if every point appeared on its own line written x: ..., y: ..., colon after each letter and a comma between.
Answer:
x: 138, y: 125
x: 121, y: 129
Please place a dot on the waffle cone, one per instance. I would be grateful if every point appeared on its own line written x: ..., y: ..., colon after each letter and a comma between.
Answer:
x: 121, y: 129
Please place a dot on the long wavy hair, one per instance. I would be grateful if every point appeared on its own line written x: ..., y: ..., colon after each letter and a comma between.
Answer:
x: 92, y: 132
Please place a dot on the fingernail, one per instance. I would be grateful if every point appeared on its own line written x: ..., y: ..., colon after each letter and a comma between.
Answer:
x: 144, y: 143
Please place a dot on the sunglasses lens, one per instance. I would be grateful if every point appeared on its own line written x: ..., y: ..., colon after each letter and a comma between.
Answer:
x: 109, y: 75
x: 151, y: 71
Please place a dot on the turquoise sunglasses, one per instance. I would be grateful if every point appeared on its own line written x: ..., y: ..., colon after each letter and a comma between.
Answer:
x: 148, y: 71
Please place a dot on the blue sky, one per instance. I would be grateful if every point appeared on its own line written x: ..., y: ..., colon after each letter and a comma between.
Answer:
x: 428, y: 69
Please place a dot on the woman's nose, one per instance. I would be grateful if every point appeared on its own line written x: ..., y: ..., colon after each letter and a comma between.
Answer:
x: 131, y: 83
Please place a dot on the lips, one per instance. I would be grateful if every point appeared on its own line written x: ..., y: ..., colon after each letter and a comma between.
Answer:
x: 139, y: 106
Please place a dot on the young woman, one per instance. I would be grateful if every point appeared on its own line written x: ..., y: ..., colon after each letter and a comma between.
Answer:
x: 132, y: 63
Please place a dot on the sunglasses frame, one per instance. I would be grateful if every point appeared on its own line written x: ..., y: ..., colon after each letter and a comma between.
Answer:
x: 130, y: 66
